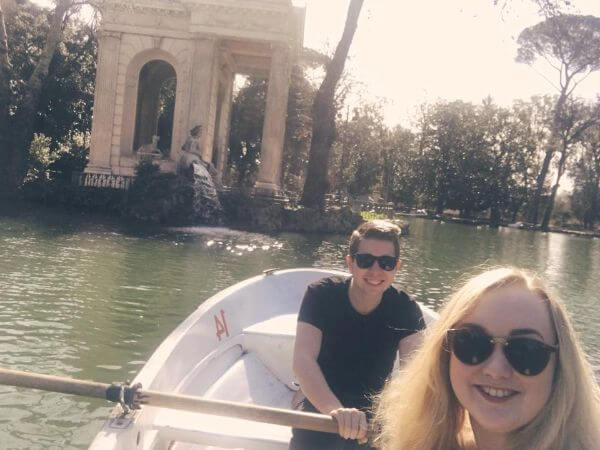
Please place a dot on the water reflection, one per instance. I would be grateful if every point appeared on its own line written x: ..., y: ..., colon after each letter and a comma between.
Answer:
x: 92, y: 299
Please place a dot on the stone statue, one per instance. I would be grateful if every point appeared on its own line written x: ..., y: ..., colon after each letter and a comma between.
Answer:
x: 191, y: 151
x: 201, y: 176
x: 150, y: 149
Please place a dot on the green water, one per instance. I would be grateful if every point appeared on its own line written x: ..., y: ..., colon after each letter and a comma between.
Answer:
x: 85, y: 297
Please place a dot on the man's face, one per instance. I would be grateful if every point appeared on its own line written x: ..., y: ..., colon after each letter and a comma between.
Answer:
x: 372, y: 280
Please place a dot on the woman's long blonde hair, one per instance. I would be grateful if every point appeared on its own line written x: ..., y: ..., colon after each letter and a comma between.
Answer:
x: 418, y: 409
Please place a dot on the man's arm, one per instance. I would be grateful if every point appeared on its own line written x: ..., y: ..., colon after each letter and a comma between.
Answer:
x: 307, y: 370
x: 352, y: 423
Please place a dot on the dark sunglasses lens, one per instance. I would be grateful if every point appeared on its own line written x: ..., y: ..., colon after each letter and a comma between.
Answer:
x: 387, y: 262
x: 527, y: 356
x: 364, y: 260
x: 471, y: 346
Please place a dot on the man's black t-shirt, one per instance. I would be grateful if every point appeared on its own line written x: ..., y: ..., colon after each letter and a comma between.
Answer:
x: 357, y: 350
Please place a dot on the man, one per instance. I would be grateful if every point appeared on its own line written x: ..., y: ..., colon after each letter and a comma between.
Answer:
x: 348, y: 332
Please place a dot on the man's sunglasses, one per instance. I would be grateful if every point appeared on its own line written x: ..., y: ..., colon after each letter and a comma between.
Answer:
x: 526, y: 355
x: 366, y: 260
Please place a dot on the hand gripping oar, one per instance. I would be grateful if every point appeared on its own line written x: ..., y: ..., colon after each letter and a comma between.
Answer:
x: 134, y: 397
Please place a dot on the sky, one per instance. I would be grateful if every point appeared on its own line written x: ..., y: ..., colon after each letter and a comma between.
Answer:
x: 410, y: 52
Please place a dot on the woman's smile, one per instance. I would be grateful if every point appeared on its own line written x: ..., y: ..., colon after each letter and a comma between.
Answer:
x: 496, y: 395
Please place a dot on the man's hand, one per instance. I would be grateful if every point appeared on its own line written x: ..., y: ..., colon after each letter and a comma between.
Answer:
x: 352, y: 423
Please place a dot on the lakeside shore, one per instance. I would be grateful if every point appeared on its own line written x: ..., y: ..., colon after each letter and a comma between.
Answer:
x: 517, y: 225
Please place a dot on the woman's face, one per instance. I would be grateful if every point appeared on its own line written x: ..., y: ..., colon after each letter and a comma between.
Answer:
x: 498, y: 398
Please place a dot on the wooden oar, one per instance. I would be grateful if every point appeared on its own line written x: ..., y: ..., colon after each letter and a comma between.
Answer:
x: 277, y: 416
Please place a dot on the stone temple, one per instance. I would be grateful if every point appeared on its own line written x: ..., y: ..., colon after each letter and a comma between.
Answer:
x: 191, y: 49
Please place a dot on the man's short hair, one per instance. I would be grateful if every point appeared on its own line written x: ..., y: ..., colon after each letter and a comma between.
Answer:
x: 383, y: 230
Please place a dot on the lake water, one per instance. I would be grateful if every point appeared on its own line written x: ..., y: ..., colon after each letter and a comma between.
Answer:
x: 85, y: 297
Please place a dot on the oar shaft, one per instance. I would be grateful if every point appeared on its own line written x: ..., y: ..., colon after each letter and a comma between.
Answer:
x: 53, y: 384
x: 277, y: 416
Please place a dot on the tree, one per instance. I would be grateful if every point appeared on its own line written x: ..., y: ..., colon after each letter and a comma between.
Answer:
x: 501, y: 148
x: 18, y: 127
x: 531, y: 120
x: 575, y: 120
x: 401, y: 185
x: 323, y: 115
x: 357, y: 152
x: 5, y: 91
x: 63, y: 117
x: 546, y: 8
x: 245, y: 139
x: 67, y: 97
x: 571, y: 45
x: 452, y: 157
x: 586, y: 192
x: 247, y: 118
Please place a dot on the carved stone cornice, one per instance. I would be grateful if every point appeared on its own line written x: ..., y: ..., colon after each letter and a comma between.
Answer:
x: 263, y: 5
x: 242, y: 18
x: 104, y: 34
x: 172, y: 8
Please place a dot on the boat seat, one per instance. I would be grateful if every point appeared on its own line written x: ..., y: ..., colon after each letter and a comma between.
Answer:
x: 246, y: 381
x: 273, y: 341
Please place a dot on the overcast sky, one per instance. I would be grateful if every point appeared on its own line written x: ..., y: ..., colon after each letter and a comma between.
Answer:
x: 409, y: 52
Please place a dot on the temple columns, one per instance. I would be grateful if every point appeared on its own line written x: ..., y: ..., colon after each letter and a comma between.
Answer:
x: 224, y: 124
x: 201, y: 98
x: 269, y: 174
x: 104, y: 102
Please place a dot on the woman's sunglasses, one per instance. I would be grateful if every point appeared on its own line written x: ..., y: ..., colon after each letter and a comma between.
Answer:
x: 366, y: 260
x: 526, y: 355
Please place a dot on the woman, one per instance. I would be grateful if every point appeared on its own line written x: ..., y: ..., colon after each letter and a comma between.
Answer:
x: 501, y: 369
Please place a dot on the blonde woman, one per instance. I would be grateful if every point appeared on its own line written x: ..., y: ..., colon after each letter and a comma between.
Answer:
x: 501, y: 369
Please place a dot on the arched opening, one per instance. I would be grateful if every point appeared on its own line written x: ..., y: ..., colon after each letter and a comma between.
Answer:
x: 155, y: 107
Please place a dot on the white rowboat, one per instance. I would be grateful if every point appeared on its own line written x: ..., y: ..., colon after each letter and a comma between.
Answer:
x: 237, y: 346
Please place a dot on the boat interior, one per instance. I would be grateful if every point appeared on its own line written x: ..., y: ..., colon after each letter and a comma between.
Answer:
x: 253, y: 367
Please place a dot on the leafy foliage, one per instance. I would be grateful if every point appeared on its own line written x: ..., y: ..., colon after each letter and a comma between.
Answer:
x: 245, y: 139
x: 586, y: 192
x: 247, y: 119
x: 570, y: 44
x: 565, y: 39
x: 56, y: 104
x: 40, y: 157
x: 357, y: 151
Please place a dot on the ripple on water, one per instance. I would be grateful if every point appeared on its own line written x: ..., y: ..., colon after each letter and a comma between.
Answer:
x: 107, y: 367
